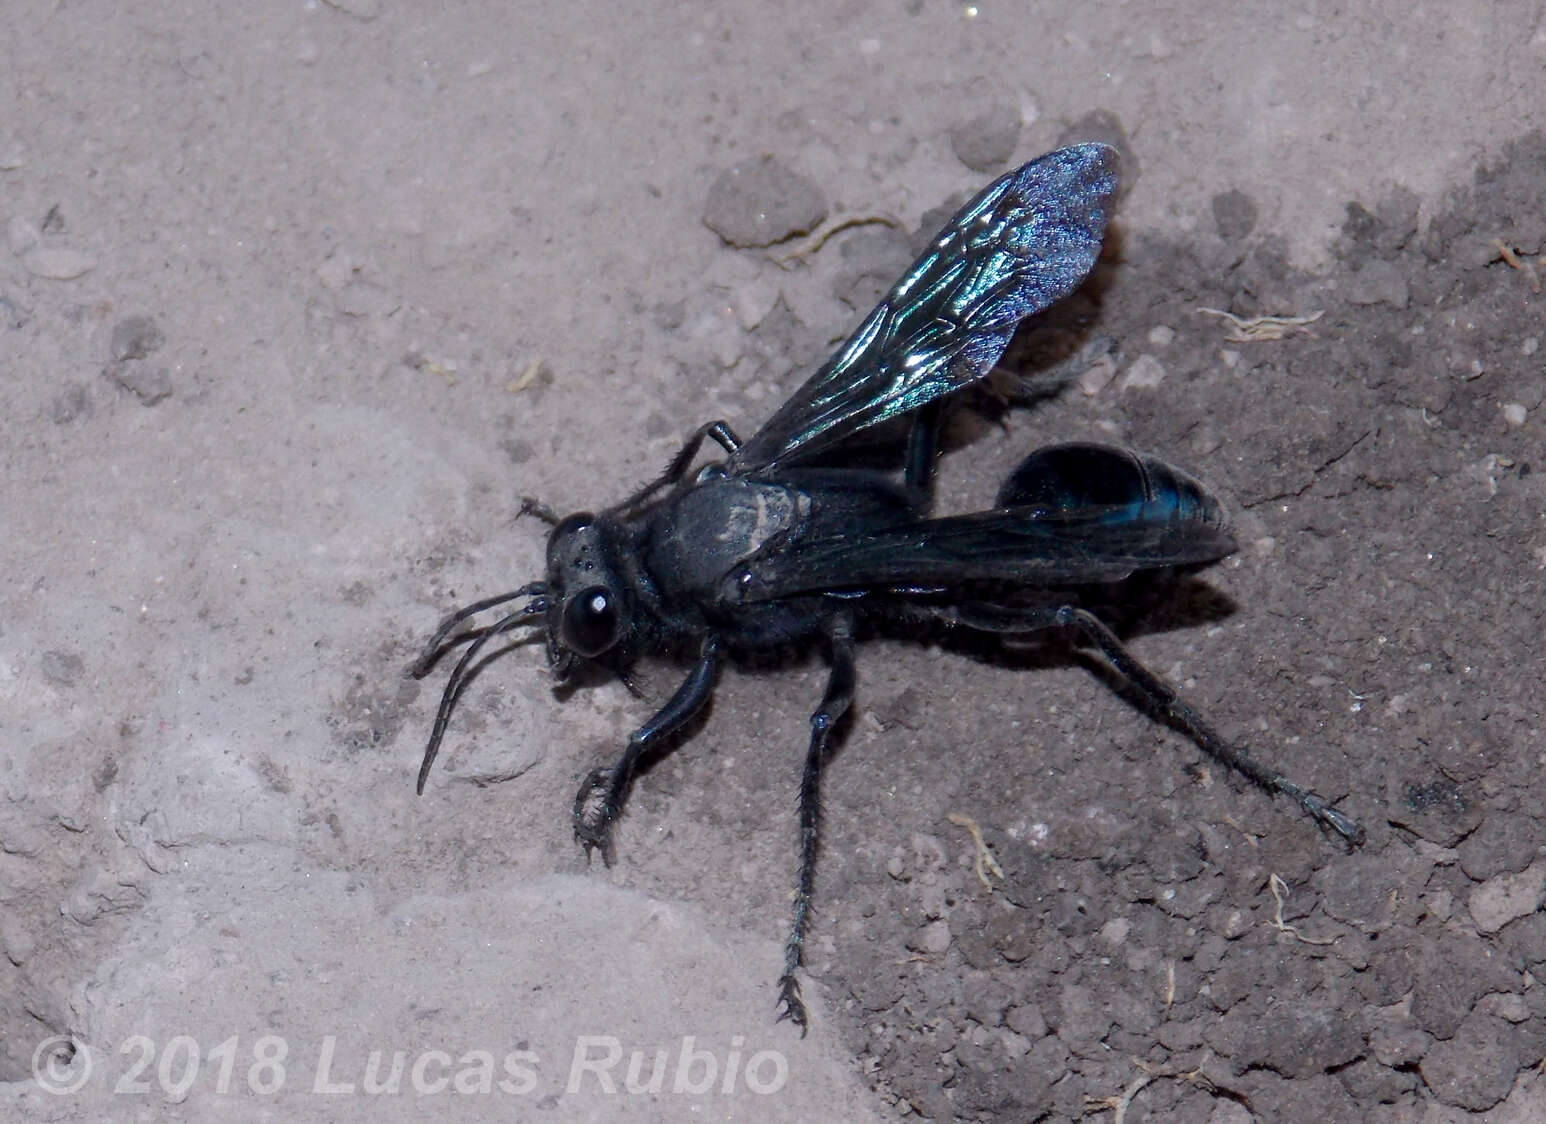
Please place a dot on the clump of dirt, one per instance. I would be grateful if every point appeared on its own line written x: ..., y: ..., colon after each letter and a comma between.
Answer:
x: 1161, y: 933
x: 1162, y: 938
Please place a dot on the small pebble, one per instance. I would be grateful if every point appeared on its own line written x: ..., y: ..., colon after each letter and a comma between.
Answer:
x: 149, y: 384
x: 1237, y: 923
x: 1097, y: 376
x: 752, y: 303
x: 1234, y: 214
x: 1114, y: 932
x: 987, y: 141
x: 1514, y: 413
x: 62, y: 669
x: 761, y: 202
x: 1507, y: 897
x: 1145, y: 373
x: 135, y: 337
x: 1506, y: 1005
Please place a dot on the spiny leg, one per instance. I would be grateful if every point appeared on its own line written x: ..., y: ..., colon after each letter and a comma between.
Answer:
x: 839, y: 694
x: 720, y: 431
x: 600, y: 799
x: 531, y: 505
x: 1167, y: 702
x: 1163, y: 699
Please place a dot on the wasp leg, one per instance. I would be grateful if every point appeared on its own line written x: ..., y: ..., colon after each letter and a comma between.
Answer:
x: 531, y: 505
x: 720, y: 431
x: 922, y: 448
x: 601, y: 797
x: 834, y: 704
x: 1163, y: 699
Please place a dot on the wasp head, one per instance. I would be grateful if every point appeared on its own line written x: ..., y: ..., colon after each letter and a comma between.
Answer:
x: 588, y: 609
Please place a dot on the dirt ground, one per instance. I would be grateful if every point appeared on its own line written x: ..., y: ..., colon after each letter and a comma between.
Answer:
x: 297, y: 301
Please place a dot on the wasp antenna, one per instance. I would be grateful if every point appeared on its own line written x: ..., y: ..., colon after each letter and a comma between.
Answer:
x: 437, y: 643
x: 466, y: 670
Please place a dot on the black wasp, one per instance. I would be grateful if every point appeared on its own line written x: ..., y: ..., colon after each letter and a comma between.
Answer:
x: 783, y: 542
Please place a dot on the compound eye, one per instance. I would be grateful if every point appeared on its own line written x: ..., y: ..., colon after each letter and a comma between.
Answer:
x: 570, y: 524
x: 591, y: 622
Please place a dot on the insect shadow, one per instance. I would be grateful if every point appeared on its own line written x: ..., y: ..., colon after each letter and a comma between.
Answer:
x: 793, y: 540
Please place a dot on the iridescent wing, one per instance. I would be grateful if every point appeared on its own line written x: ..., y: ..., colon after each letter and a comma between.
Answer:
x: 1022, y: 244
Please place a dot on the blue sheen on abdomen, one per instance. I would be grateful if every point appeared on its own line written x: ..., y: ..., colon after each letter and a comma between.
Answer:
x: 1128, y: 488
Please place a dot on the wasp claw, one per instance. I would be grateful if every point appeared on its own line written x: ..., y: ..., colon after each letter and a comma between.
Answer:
x: 790, y: 1005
